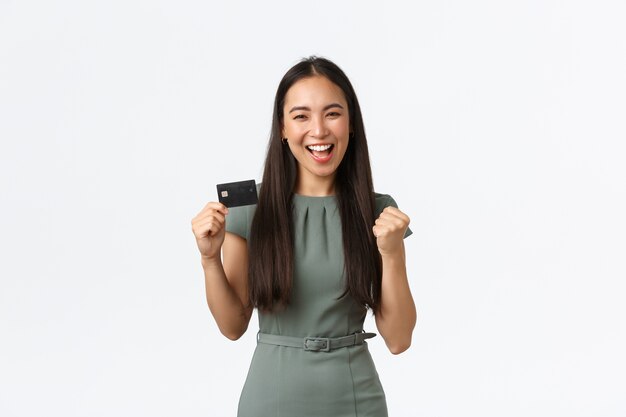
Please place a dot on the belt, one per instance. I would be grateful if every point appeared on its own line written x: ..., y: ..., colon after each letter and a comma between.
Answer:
x: 315, y: 344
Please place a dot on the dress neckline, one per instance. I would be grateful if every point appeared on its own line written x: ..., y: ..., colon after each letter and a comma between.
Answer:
x: 314, y: 196
x: 310, y: 200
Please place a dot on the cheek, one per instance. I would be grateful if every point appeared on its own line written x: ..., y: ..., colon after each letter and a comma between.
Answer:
x: 295, y: 146
x: 342, y: 130
x: 343, y: 133
x: 294, y: 135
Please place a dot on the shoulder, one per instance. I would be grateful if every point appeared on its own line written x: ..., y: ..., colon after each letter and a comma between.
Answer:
x: 382, y: 201
x: 239, y: 219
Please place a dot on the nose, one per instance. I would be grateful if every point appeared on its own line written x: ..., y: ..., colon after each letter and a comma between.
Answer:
x: 318, y: 127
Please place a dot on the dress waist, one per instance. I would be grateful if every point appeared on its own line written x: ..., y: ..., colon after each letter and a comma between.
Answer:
x: 315, y: 344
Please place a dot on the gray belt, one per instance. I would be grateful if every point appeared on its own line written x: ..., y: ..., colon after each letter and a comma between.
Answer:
x: 316, y: 344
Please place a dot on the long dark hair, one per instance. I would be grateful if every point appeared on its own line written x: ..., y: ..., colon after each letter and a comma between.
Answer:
x: 270, y: 274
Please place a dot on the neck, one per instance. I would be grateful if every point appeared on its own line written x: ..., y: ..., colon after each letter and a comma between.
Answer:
x: 315, y: 187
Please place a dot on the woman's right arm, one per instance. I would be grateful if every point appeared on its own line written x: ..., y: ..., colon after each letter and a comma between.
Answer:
x: 226, y: 280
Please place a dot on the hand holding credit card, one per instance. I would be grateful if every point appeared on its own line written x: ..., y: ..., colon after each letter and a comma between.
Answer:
x: 235, y: 194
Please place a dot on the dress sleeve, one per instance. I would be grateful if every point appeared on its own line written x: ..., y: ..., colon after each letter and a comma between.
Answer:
x: 385, y: 200
x: 239, y: 219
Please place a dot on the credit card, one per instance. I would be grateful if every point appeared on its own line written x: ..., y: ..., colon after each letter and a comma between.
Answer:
x: 235, y: 194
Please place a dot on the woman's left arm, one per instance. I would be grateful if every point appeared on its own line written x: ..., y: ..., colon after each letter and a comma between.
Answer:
x: 397, y: 316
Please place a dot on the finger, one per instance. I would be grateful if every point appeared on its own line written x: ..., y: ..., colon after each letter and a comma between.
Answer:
x: 211, y: 212
x: 380, y: 230
x: 201, y: 230
x: 396, y: 213
x: 213, y: 228
x: 208, y: 209
x: 216, y: 206
x: 392, y: 211
x: 217, y: 215
x: 209, y: 226
x: 396, y: 222
x: 391, y: 222
x: 213, y: 219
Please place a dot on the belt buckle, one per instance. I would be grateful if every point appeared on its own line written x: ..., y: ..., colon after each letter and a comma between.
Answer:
x: 317, y: 344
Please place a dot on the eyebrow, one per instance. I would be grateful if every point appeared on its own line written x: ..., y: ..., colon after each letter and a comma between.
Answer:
x: 329, y: 106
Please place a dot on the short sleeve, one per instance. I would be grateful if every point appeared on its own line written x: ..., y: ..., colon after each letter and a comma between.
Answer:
x: 239, y: 219
x: 385, y: 200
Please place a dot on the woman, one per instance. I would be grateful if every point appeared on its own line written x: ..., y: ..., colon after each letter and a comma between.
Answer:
x: 318, y: 250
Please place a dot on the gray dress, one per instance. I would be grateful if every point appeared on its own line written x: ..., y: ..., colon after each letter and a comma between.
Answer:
x: 291, y: 382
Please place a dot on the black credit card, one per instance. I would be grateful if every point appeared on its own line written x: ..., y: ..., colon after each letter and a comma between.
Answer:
x: 235, y: 194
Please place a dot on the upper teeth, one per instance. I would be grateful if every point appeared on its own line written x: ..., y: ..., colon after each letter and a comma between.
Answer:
x: 318, y: 147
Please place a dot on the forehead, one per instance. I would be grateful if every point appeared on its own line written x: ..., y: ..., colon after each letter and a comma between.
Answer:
x: 314, y: 91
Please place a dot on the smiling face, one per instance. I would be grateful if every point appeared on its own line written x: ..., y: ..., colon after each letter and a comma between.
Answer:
x: 316, y: 123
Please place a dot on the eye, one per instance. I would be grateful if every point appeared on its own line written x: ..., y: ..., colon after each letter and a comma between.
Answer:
x: 299, y: 116
x: 334, y: 114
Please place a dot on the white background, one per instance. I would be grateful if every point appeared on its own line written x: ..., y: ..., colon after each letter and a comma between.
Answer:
x: 498, y: 127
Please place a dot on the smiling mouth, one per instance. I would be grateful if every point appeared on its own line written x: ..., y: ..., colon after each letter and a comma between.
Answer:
x: 320, y: 151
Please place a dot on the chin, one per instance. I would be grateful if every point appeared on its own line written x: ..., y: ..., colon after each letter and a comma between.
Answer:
x: 323, y: 173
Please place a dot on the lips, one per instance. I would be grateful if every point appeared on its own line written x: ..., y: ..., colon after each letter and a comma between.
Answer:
x: 321, y: 153
x: 319, y: 148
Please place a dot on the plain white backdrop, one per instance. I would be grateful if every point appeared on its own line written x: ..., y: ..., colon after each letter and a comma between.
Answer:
x: 497, y: 126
